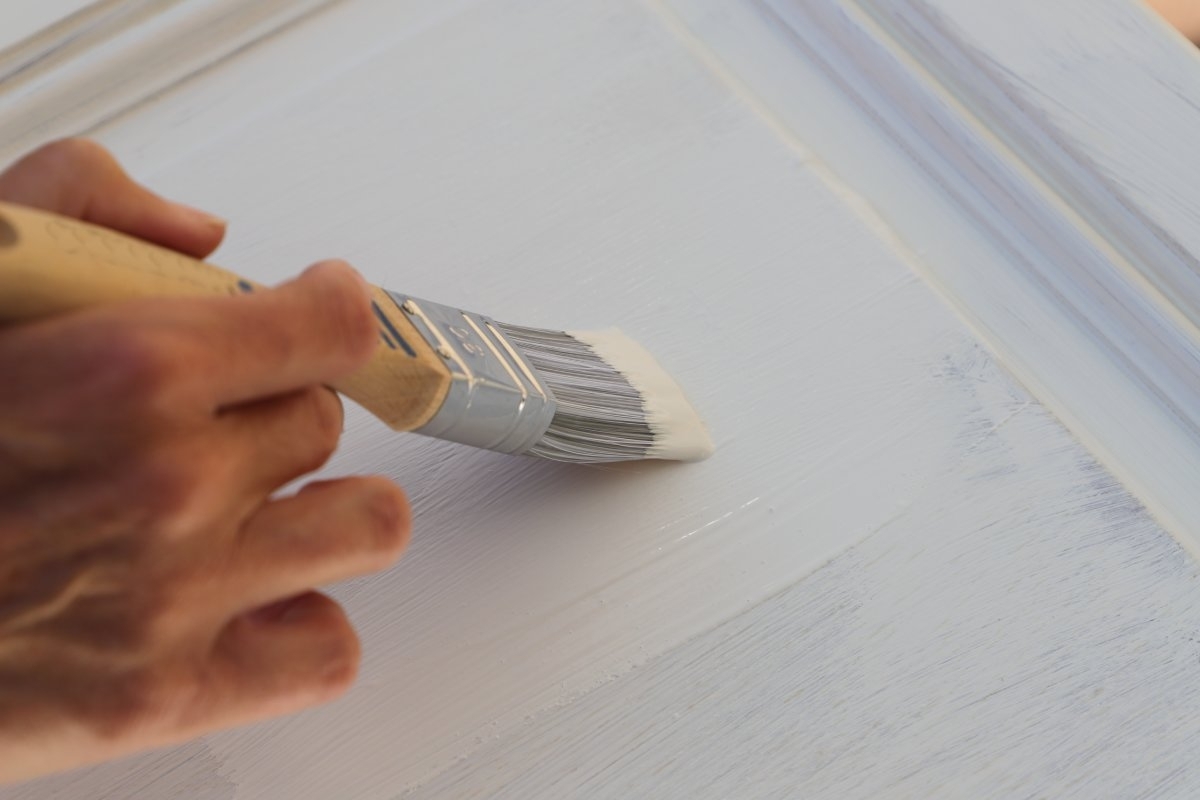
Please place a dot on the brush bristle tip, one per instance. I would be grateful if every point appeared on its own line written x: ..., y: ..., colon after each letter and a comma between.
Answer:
x: 679, y: 432
x: 613, y: 401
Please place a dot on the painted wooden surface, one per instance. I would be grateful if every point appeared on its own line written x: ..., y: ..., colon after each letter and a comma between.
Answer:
x: 114, y: 55
x: 900, y: 576
x: 1025, y: 196
x: 22, y: 19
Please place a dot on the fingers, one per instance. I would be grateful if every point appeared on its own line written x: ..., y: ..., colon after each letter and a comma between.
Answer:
x: 172, y: 357
x: 280, y: 439
x: 329, y: 531
x: 299, y: 653
x: 315, y: 329
x: 79, y: 178
x: 167, y: 422
x: 312, y: 330
x: 1183, y: 14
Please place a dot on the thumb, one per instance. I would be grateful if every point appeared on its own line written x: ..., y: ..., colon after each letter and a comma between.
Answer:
x: 79, y: 178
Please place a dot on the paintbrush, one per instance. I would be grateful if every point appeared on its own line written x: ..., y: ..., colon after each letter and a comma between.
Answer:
x: 438, y: 371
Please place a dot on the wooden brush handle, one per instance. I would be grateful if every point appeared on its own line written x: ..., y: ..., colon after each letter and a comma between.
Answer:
x: 50, y: 264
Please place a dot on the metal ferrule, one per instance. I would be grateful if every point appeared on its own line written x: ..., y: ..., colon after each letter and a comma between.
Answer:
x: 496, y: 400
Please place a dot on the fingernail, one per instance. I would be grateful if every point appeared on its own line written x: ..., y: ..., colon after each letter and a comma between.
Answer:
x: 203, y: 217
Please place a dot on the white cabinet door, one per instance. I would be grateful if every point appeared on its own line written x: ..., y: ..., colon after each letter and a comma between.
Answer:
x: 901, y: 575
x: 22, y: 20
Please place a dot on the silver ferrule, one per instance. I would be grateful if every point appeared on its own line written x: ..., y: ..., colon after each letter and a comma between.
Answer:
x: 496, y: 400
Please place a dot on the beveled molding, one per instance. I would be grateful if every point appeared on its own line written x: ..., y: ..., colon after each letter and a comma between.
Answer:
x: 1035, y: 163
x: 114, y: 55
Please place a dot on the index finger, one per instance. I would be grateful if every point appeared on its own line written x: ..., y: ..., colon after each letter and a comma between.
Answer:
x: 312, y: 330
x: 79, y: 178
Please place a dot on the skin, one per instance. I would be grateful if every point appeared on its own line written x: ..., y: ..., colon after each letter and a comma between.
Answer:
x: 152, y: 587
x: 1183, y: 14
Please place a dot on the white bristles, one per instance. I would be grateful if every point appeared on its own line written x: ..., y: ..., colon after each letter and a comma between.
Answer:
x: 679, y: 433
x: 614, y: 401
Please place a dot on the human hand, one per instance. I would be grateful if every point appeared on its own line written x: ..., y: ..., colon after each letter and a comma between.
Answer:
x: 1183, y: 14
x: 151, y: 588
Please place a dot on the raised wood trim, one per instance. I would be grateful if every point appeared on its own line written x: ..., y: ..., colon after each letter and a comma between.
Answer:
x: 1072, y: 270
x: 1039, y: 220
x: 111, y: 57
x: 990, y: 571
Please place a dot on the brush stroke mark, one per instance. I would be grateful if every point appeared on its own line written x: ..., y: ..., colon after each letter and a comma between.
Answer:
x: 894, y: 671
x: 581, y: 166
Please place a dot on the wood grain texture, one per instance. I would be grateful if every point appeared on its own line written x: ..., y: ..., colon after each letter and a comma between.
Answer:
x: 999, y: 617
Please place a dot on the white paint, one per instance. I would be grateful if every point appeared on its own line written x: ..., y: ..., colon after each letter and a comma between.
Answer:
x: 1050, y: 652
x: 1031, y: 248
x: 114, y: 55
x: 647, y: 628
x: 22, y: 19
x: 679, y: 432
x: 557, y: 206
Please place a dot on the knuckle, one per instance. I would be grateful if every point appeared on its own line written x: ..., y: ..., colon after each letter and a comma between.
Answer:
x: 161, y: 476
x: 155, y: 608
x: 159, y: 695
x: 150, y: 619
x: 173, y: 487
x: 278, y: 342
x: 144, y: 701
x: 72, y: 153
x: 149, y: 688
x: 139, y: 367
x: 121, y: 711
x: 167, y: 616
x: 133, y: 686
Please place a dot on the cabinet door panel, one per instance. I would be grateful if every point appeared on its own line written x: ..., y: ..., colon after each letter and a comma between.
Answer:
x: 580, y: 165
